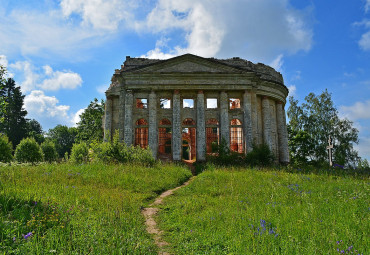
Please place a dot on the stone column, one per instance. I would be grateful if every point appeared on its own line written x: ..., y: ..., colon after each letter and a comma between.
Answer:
x: 254, y: 105
x: 266, y: 115
x: 224, y: 118
x: 153, y: 129
x: 282, y: 133
x: 128, y: 127
x: 201, y: 128
x: 176, y: 127
x: 247, y: 127
x: 108, y: 120
x: 121, y: 114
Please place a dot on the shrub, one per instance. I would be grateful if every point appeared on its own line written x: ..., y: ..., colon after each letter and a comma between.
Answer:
x: 260, y: 155
x: 6, y: 148
x: 226, y: 157
x: 80, y: 153
x: 28, y: 150
x: 49, y: 150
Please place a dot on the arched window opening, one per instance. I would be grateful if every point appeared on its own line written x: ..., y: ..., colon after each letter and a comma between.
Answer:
x: 141, y: 133
x: 188, y: 139
x: 236, y: 136
x: 212, y: 135
x: 165, y: 135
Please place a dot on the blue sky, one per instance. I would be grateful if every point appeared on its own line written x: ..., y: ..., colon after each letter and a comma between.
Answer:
x: 63, y: 53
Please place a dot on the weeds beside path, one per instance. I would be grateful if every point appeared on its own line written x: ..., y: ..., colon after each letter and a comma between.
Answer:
x: 150, y: 212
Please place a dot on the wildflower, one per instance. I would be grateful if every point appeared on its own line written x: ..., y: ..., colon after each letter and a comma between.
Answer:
x: 27, y: 235
x: 14, y: 239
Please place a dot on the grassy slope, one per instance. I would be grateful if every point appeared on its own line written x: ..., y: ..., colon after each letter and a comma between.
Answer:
x: 268, y: 212
x: 80, y: 209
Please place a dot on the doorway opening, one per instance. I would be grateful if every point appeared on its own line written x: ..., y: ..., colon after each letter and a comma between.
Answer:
x: 189, y: 149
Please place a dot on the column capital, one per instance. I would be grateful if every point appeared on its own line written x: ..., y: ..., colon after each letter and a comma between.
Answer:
x: 265, y: 97
x: 200, y: 91
x: 176, y: 92
x: 279, y: 102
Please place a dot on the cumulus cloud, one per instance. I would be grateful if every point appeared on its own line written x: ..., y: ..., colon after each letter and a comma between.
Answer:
x: 358, y: 111
x: 60, y: 80
x: 292, y: 90
x: 76, y: 117
x: 364, y: 42
x: 3, y: 61
x: 49, y: 79
x: 367, y: 6
x: 258, y: 30
x: 46, y: 108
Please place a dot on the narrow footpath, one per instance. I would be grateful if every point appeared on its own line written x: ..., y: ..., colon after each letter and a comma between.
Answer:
x: 150, y: 212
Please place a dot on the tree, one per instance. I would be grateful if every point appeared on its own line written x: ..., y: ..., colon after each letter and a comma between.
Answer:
x: 6, y: 149
x: 90, y: 127
x: 14, y: 123
x: 49, y: 150
x: 2, y: 98
x: 63, y: 138
x: 28, y: 150
x: 34, y: 129
x: 310, y: 126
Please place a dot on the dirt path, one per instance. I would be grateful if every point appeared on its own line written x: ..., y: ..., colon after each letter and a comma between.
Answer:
x: 151, y: 224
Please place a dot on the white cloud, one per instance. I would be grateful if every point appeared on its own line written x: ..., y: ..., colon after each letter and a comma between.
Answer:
x: 363, y: 147
x: 40, y: 106
x: 3, y: 61
x: 101, y: 14
x: 76, y: 117
x: 364, y: 42
x: 360, y: 110
x: 257, y: 30
x: 292, y: 90
x: 60, y: 80
x: 33, y: 78
x: 367, y: 6
x: 101, y: 89
x: 277, y: 63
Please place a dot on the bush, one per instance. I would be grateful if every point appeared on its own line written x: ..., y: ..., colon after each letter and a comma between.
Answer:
x: 49, y: 150
x: 260, y: 155
x: 118, y: 152
x: 6, y: 149
x: 80, y: 153
x: 28, y: 150
x: 226, y: 157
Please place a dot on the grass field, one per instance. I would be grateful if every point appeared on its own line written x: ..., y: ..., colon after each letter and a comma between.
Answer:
x: 243, y: 211
x: 82, y: 209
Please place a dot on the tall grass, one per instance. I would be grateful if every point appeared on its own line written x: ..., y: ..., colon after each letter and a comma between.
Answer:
x: 244, y: 211
x: 80, y: 209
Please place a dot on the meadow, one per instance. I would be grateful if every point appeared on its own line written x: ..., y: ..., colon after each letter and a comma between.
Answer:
x: 80, y: 209
x: 246, y: 211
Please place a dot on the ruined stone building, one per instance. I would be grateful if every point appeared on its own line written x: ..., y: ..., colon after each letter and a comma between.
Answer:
x: 182, y: 107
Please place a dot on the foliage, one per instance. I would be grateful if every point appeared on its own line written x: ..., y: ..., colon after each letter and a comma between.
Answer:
x: 2, y: 98
x: 225, y: 157
x: 80, y: 209
x: 310, y: 126
x: 14, y: 123
x: 50, y: 153
x: 243, y: 211
x: 260, y: 155
x: 117, y: 151
x: 90, y: 127
x: 34, y: 130
x: 80, y: 153
x: 63, y: 137
x: 28, y: 150
x: 6, y: 149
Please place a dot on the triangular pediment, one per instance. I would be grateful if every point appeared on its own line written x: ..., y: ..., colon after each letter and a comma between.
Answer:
x: 187, y: 64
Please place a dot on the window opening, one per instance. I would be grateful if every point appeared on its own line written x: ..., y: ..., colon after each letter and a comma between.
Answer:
x: 165, y: 103
x: 141, y: 133
x: 234, y: 103
x: 188, y: 103
x: 141, y: 103
x: 212, y: 135
x: 188, y: 139
x: 165, y: 136
x: 211, y: 103
x: 236, y: 136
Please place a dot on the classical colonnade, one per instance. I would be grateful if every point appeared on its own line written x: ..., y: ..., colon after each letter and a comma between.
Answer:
x: 260, y: 119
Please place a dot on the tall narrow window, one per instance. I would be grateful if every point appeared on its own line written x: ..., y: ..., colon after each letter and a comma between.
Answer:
x: 165, y: 134
x: 212, y: 135
x: 188, y: 139
x: 141, y: 133
x: 236, y: 136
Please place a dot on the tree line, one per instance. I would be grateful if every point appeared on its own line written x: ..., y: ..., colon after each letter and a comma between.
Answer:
x: 15, y: 126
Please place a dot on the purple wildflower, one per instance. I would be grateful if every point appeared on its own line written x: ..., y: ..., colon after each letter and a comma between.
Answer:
x: 14, y: 239
x: 27, y: 235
